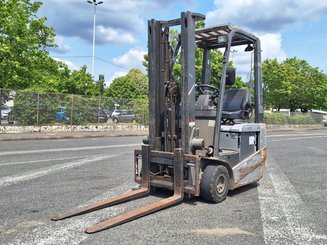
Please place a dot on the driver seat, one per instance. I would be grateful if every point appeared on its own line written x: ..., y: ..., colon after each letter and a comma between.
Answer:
x: 236, y: 104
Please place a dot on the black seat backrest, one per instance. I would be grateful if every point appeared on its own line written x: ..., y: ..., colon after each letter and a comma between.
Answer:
x: 236, y: 104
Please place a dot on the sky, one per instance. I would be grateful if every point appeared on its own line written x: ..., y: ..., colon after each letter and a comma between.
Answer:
x: 287, y: 28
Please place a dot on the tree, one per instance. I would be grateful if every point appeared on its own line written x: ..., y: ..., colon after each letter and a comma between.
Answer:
x: 23, y: 41
x: 276, y: 89
x: 140, y: 79
x: 123, y: 87
x: 131, y: 86
x: 294, y: 84
x: 76, y: 82
x: 100, y: 85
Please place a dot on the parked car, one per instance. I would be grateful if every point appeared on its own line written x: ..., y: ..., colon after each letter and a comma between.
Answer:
x: 324, y: 121
x: 5, y: 110
x: 101, y: 116
x: 98, y: 115
x: 123, y: 116
x: 115, y: 113
x: 108, y: 112
x: 61, y: 115
x: 11, y: 117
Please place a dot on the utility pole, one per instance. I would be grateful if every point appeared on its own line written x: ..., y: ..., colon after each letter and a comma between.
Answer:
x: 94, y: 3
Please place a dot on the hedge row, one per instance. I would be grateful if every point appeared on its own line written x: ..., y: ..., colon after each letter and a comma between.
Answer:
x: 277, y: 118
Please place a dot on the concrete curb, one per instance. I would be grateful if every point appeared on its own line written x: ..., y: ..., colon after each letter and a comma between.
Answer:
x: 35, y: 136
x: 98, y: 132
x: 12, y: 133
x: 71, y: 128
x: 272, y: 128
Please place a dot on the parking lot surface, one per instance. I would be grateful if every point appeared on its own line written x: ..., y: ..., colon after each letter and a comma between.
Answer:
x: 39, y: 178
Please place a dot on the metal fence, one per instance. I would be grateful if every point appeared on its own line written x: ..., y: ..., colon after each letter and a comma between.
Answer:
x: 23, y: 107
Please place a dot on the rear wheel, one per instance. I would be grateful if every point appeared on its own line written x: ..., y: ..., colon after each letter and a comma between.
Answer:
x: 115, y: 120
x: 214, y: 184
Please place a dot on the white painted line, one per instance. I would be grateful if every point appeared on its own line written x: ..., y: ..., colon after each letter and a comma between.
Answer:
x: 66, y: 149
x: 298, y: 138
x: 71, y: 231
x: 317, y: 150
x: 9, y: 180
x: 42, y: 160
x: 293, y: 135
x: 49, y: 160
x: 285, y: 218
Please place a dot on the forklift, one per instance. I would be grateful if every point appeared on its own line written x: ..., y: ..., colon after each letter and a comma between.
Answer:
x: 203, y: 140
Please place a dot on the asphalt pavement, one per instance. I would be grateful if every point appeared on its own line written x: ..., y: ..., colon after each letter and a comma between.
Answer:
x: 40, y: 178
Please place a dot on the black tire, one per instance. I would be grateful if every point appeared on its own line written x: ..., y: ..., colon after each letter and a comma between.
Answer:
x: 214, y: 184
x: 115, y: 120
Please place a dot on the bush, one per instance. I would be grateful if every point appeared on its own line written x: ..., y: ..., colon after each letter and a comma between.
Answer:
x: 32, y: 108
x: 301, y: 120
x: 277, y: 118
x: 141, y: 108
x: 40, y: 108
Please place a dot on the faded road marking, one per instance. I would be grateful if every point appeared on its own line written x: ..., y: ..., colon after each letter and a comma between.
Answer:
x: 222, y: 231
x: 42, y: 160
x: 285, y: 218
x: 293, y: 135
x: 71, y: 231
x: 317, y: 150
x: 9, y: 180
x: 29, y: 223
x: 49, y: 160
x: 299, y: 138
x: 66, y: 149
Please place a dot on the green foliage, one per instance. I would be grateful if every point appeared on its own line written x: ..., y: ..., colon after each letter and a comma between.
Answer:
x: 76, y: 82
x: 123, y: 87
x: 82, y: 109
x: 282, y: 119
x: 23, y: 42
x: 100, y: 85
x: 133, y: 85
x: 35, y: 108
x: 39, y: 108
x: 25, y: 109
x: 294, y: 84
x: 4, y: 96
x: 141, y: 109
x: 275, y: 118
x: 140, y: 79
x: 216, y: 60
x: 24, y: 60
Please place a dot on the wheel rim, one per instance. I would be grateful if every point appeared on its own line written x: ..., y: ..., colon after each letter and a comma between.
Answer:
x: 221, y: 184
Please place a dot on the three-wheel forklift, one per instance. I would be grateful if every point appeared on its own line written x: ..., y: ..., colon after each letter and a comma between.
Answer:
x: 200, y: 143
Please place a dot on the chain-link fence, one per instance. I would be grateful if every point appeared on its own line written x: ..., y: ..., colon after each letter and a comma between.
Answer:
x: 23, y: 107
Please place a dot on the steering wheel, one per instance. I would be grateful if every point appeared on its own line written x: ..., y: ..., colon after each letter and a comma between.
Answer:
x: 202, y: 88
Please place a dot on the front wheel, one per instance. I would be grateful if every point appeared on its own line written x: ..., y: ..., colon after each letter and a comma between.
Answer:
x: 214, y: 184
x: 115, y: 120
